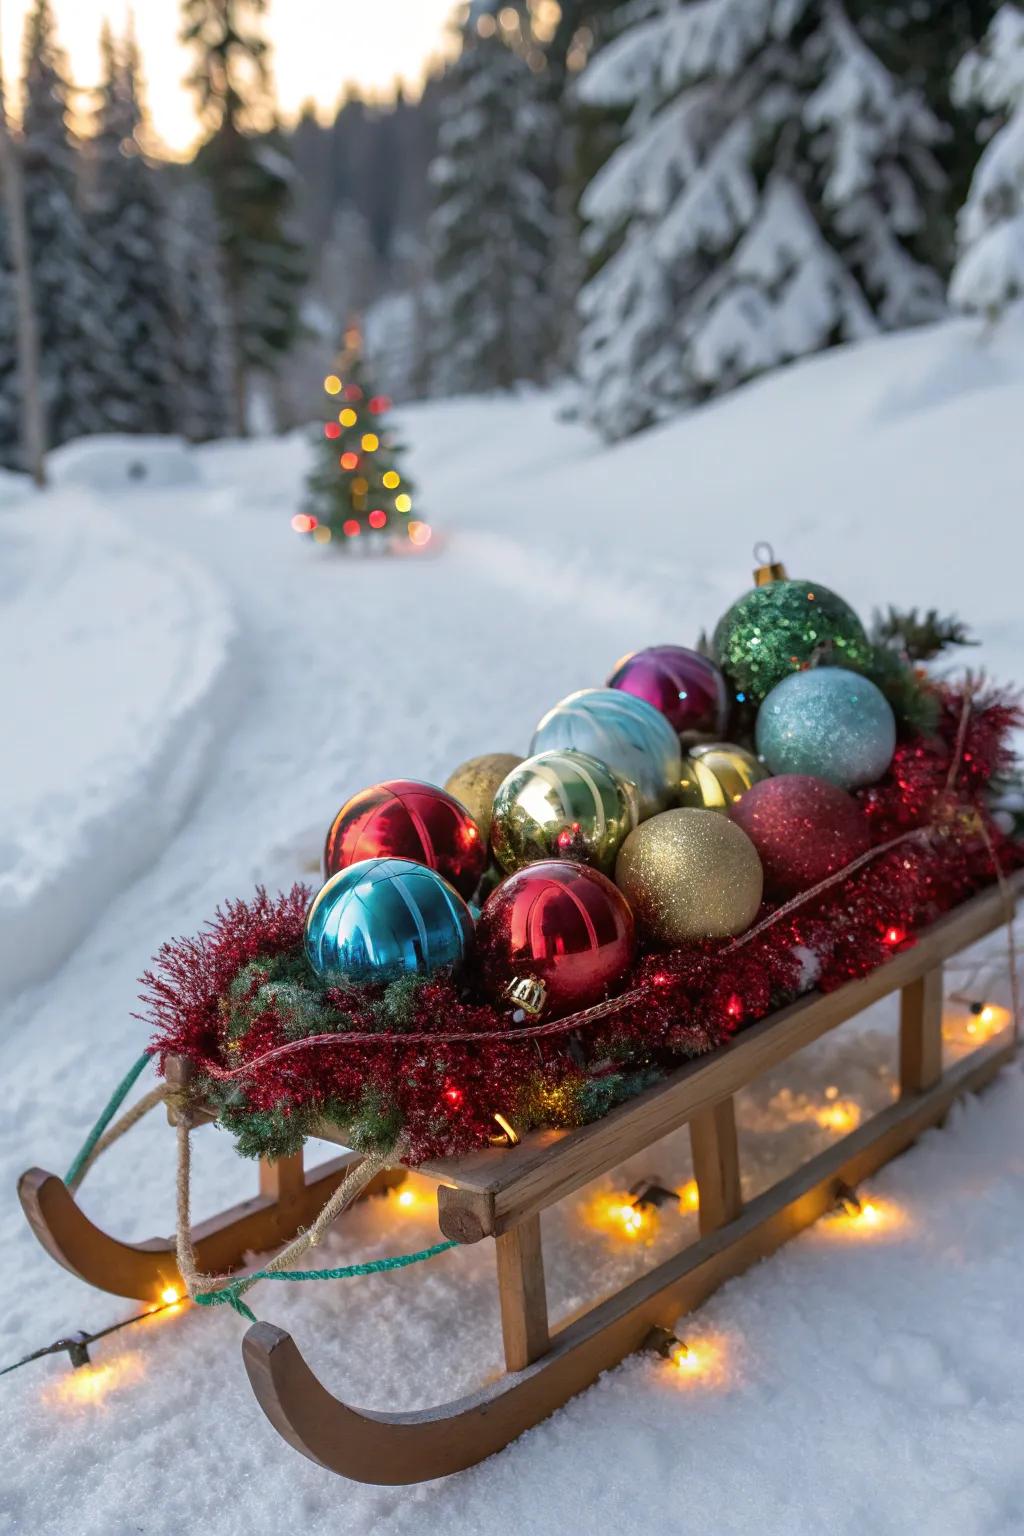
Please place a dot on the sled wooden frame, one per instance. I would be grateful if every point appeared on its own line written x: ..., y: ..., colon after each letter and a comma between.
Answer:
x: 500, y: 1193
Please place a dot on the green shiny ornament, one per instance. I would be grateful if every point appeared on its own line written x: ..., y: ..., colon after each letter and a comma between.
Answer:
x: 718, y: 774
x: 562, y: 805
x: 776, y: 629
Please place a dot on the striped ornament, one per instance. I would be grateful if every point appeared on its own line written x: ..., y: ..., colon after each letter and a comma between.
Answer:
x: 562, y: 805
x: 627, y: 734
x: 384, y: 918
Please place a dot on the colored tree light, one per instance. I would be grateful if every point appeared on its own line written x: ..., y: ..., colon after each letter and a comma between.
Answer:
x: 332, y: 384
x: 350, y: 528
x: 420, y: 533
x: 302, y: 523
x: 353, y: 392
x: 332, y: 429
x: 371, y: 442
x: 349, y: 460
x: 391, y: 479
x: 348, y: 417
x: 403, y: 503
x: 377, y: 518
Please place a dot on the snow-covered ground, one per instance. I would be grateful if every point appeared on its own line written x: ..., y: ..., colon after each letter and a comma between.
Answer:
x: 189, y: 691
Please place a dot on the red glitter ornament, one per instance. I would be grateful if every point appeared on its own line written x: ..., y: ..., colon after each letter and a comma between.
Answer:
x: 404, y: 819
x: 559, y: 923
x: 803, y: 828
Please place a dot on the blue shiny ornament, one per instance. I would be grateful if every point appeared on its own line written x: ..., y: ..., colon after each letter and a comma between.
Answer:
x: 828, y: 722
x: 627, y: 734
x: 384, y: 918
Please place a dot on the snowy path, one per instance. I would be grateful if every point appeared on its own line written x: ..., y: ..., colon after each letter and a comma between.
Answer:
x: 857, y: 1385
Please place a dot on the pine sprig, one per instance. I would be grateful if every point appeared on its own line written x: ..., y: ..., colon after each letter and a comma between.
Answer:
x: 919, y: 637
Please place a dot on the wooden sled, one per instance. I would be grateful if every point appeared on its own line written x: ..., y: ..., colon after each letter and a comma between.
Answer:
x: 289, y: 1199
x: 499, y: 1193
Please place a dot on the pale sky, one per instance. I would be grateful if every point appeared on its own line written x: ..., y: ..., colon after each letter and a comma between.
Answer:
x: 318, y: 46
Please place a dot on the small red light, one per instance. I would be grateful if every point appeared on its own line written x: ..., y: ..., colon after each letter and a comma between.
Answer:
x: 350, y: 528
x: 353, y: 392
x: 454, y: 1096
x: 349, y: 460
x: 895, y: 935
x: 332, y: 429
x: 734, y: 1007
x: 379, y: 404
x: 377, y: 518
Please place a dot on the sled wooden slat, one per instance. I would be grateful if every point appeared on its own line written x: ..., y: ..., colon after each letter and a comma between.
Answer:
x: 921, y: 1032
x: 491, y: 1191
x: 716, y: 1165
x: 399, y: 1448
x: 522, y: 1294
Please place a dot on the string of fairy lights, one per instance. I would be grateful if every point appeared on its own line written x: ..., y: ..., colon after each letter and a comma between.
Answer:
x: 635, y: 1216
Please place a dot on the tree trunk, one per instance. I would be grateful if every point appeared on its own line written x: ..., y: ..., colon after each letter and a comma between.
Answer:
x: 33, y: 427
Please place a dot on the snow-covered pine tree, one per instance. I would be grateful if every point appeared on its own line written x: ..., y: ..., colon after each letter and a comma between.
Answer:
x: 490, y: 234
x: 127, y: 222
x: 766, y: 201
x: 10, y: 424
x: 77, y: 359
x: 990, y: 271
x: 203, y: 360
x: 252, y: 181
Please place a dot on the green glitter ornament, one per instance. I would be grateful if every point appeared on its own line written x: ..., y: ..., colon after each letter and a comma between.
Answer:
x: 780, y: 627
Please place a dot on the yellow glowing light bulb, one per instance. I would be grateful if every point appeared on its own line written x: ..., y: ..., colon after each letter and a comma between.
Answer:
x: 371, y: 442
x: 406, y: 1197
x: 869, y: 1214
x: 348, y: 417
x: 987, y: 1014
x: 403, y: 503
x: 169, y: 1295
x: 332, y: 384
x: 689, y: 1195
x: 391, y: 479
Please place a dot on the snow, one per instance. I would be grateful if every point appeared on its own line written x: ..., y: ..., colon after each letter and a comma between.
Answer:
x: 855, y: 1382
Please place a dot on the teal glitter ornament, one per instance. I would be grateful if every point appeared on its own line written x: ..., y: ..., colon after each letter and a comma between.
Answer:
x: 383, y: 918
x: 778, y: 628
x: 627, y: 734
x: 828, y: 722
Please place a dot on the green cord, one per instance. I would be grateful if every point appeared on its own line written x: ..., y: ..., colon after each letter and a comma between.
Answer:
x: 117, y: 1098
x: 231, y: 1294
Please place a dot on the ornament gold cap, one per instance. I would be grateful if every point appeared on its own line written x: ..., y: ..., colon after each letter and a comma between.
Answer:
x: 528, y: 994
x: 767, y: 569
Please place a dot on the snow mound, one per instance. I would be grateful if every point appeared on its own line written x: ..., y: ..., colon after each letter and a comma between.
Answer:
x: 113, y: 656
x: 118, y: 462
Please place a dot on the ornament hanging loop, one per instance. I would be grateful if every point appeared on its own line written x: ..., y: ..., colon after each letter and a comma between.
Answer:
x: 767, y: 568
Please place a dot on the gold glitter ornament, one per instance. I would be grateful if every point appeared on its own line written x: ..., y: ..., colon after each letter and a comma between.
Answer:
x: 687, y: 875
x: 718, y: 774
x: 474, y: 784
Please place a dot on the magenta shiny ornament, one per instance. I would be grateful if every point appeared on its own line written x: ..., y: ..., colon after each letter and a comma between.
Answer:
x: 559, y: 932
x: 404, y: 819
x: 803, y: 828
x: 688, y: 689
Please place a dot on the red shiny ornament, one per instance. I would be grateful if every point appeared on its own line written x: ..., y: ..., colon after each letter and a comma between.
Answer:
x: 405, y: 819
x: 803, y: 828
x: 559, y: 923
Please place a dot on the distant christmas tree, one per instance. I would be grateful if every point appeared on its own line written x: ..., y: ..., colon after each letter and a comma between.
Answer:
x: 356, y: 495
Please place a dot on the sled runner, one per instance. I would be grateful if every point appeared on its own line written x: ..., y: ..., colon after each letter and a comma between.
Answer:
x: 501, y: 1192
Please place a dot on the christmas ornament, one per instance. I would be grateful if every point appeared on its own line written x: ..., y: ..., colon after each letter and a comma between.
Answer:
x: 562, y: 805
x: 777, y: 628
x: 627, y: 734
x: 690, y: 874
x: 384, y: 918
x: 405, y: 819
x: 828, y: 722
x: 561, y: 924
x: 685, y: 686
x: 475, y: 783
x: 716, y: 775
x: 804, y: 830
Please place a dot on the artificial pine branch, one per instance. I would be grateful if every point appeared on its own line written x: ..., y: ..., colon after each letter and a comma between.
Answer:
x: 919, y: 636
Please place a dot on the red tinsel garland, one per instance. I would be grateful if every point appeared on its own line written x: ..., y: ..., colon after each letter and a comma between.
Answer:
x: 440, y: 1098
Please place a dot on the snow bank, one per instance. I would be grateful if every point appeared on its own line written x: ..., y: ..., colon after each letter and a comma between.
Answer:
x: 114, y: 655
x: 116, y: 461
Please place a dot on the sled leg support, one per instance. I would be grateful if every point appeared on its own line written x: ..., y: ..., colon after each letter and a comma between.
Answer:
x: 415, y: 1447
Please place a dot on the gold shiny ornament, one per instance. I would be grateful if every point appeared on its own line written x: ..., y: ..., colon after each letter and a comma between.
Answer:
x: 690, y: 874
x: 475, y: 783
x: 716, y: 775
x: 562, y: 805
